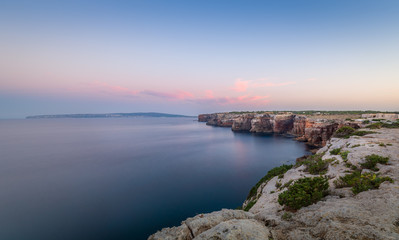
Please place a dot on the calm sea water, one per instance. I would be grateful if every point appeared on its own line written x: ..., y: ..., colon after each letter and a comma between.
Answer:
x: 124, y: 178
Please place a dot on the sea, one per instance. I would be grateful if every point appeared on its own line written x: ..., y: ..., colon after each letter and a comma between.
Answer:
x: 125, y: 178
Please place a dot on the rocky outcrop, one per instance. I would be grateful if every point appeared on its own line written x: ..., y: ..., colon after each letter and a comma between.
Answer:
x: 204, y: 117
x: 314, y: 132
x: 242, y: 123
x: 318, y: 133
x: 262, y: 123
x: 371, y: 214
x: 219, y: 119
x: 197, y: 227
x: 283, y: 123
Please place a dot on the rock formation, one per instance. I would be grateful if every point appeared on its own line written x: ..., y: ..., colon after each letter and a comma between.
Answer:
x: 315, y: 133
x: 370, y: 214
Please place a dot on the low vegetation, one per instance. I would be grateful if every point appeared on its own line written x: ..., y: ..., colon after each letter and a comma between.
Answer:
x: 346, y: 132
x: 344, y: 155
x: 286, y: 216
x: 361, y: 182
x: 249, y: 205
x: 304, y: 192
x: 315, y: 164
x: 335, y: 151
x: 372, y: 160
x: 379, y: 125
x: 271, y: 174
x: 362, y: 133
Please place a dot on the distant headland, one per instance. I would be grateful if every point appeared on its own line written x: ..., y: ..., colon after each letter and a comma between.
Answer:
x: 111, y: 115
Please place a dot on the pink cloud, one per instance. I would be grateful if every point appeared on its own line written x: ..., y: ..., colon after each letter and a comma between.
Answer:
x: 209, y: 97
x: 209, y: 94
x: 240, y: 86
x: 240, y: 100
x: 178, y: 95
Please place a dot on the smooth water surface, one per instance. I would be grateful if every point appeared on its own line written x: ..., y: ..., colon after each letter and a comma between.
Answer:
x: 124, y: 178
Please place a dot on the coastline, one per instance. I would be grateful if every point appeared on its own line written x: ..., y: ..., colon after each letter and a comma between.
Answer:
x: 340, y: 213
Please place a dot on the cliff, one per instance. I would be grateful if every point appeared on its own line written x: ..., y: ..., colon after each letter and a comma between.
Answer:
x: 360, y: 199
x: 314, y: 132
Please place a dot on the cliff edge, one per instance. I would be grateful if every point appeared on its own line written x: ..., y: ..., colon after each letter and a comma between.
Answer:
x: 348, y: 190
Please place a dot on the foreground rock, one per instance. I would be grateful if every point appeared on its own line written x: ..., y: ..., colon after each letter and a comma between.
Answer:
x: 371, y: 214
x: 206, y: 225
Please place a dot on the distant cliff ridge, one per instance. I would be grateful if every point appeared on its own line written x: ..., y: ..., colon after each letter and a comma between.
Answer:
x: 314, y: 132
x: 111, y: 115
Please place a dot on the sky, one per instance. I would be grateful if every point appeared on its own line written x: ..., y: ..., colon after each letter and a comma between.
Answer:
x: 190, y: 57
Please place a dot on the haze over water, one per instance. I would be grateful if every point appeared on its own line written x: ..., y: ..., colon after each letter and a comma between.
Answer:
x: 124, y: 178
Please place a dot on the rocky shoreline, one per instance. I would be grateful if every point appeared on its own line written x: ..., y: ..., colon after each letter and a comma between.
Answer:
x: 315, y: 132
x: 359, y: 168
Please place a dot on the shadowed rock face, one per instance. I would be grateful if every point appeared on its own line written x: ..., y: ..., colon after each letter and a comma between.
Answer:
x: 242, y: 123
x: 263, y: 123
x: 220, y: 119
x: 283, y: 123
x: 204, y: 117
x: 315, y: 133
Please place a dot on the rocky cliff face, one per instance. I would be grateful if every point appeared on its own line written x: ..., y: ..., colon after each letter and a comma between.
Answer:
x: 242, y: 123
x: 315, y: 133
x: 219, y: 119
x: 370, y: 214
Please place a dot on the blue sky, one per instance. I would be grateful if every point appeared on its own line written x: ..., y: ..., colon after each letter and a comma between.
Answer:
x: 191, y: 57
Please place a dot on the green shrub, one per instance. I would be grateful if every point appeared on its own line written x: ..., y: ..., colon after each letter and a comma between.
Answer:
x: 348, y: 180
x: 355, y: 146
x: 366, y: 121
x: 382, y: 145
x: 249, y: 205
x: 335, y: 151
x: 286, y: 216
x: 391, y: 125
x: 315, y: 164
x: 361, y: 182
x: 304, y: 192
x: 344, y: 155
x: 344, y: 131
x: 372, y: 160
x: 369, y: 181
x: 361, y: 133
x: 271, y: 174
x: 377, y: 125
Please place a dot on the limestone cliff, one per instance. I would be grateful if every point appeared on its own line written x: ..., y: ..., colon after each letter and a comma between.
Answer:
x: 342, y: 214
x: 314, y: 132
